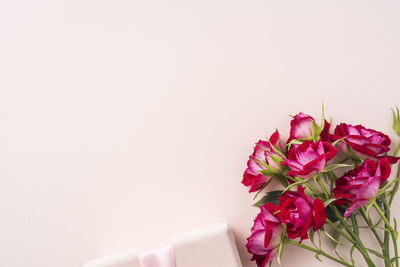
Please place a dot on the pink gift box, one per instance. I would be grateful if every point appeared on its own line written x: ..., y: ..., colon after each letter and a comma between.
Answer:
x: 211, y: 246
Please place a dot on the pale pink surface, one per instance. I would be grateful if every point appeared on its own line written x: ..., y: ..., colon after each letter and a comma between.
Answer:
x: 161, y: 257
x: 123, y: 122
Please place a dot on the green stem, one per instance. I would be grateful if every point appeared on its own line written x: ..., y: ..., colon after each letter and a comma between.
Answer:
x: 396, y: 185
x: 313, y: 189
x: 282, y: 179
x: 393, y: 233
x: 383, y: 216
x: 321, y: 184
x: 319, y: 252
x: 359, y: 245
x: 385, y: 251
x: 355, y: 224
x: 372, y: 227
x: 334, y: 226
x: 397, y: 148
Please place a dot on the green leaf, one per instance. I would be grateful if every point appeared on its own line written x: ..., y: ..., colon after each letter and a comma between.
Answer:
x: 330, y: 237
x: 295, y: 184
x: 339, y: 140
x: 276, y: 160
x: 336, y: 235
x: 262, y: 188
x: 311, y: 236
x: 370, y: 204
x: 394, y: 258
x: 269, y: 171
x: 351, y: 254
x: 329, y: 201
x: 396, y: 121
x: 335, y: 166
x: 331, y: 215
x: 376, y: 253
x: 270, y: 197
x: 316, y: 130
x: 277, y: 151
x: 323, y: 116
x: 280, y: 253
x: 294, y: 142
x: 317, y: 257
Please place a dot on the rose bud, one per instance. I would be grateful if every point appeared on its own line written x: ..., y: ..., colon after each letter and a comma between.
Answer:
x: 299, y: 212
x: 362, y: 142
x: 359, y: 185
x: 263, y: 153
x: 266, y: 235
x: 309, y: 158
x: 301, y: 127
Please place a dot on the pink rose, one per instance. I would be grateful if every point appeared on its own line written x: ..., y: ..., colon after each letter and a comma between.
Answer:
x: 262, y: 154
x: 299, y: 212
x: 301, y: 127
x: 309, y: 158
x: 362, y: 142
x: 265, y: 235
x: 359, y: 185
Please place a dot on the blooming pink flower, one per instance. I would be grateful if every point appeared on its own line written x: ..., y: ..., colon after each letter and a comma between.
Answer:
x: 299, y: 212
x: 301, y: 127
x: 262, y: 154
x: 359, y: 185
x: 362, y: 142
x: 265, y: 235
x: 309, y: 158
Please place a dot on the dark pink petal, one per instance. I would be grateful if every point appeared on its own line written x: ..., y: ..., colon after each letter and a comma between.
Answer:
x: 274, y: 138
x: 317, y: 164
x: 319, y: 217
x: 248, y: 177
x: 258, y: 182
x: 301, y: 191
x: 363, y: 142
x: 383, y: 170
x: 325, y: 136
x: 255, y: 243
x: 369, y: 188
x: 301, y: 126
x: 353, y: 206
x: 304, y: 230
x: 330, y: 150
x: 270, y: 212
x: 392, y: 160
x: 268, y: 235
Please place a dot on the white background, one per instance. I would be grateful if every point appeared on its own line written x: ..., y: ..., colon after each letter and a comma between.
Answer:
x: 124, y: 122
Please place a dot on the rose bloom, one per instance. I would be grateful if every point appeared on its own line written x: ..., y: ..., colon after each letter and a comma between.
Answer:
x: 361, y: 141
x: 309, y: 158
x: 265, y: 235
x: 262, y: 153
x: 301, y: 127
x: 299, y: 212
x: 359, y: 185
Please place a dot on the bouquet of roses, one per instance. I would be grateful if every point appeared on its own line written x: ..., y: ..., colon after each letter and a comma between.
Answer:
x: 330, y: 183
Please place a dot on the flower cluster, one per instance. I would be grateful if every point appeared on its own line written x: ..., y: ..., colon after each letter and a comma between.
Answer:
x: 326, y: 178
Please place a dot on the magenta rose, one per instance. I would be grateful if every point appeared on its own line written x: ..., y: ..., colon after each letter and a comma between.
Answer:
x: 301, y: 127
x: 359, y: 185
x: 262, y: 154
x: 309, y: 158
x: 299, y: 212
x: 265, y: 235
x: 361, y: 141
